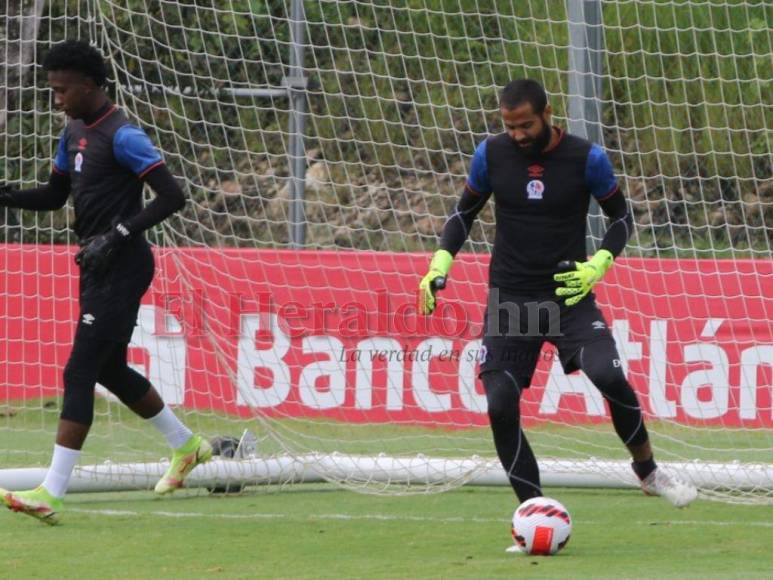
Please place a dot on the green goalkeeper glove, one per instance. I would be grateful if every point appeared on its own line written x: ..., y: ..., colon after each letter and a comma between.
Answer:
x: 582, y: 276
x: 434, y: 280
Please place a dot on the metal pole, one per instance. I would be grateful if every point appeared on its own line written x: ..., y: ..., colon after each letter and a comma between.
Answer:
x: 296, y: 81
x: 294, y: 86
x: 585, y: 70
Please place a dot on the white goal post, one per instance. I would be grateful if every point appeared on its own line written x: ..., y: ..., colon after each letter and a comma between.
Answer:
x: 323, y: 144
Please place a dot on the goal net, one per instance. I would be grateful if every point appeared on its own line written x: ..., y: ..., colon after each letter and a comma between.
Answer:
x: 323, y: 144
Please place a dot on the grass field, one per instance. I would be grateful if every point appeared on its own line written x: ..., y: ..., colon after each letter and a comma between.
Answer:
x: 320, y: 531
x: 28, y: 429
x: 316, y: 531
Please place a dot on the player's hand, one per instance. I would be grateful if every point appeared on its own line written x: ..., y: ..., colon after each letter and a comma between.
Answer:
x: 6, y: 200
x: 434, y: 280
x: 98, y: 253
x: 579, y: 278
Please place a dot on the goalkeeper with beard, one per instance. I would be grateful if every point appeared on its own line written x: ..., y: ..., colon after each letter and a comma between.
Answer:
x: 540, y: 286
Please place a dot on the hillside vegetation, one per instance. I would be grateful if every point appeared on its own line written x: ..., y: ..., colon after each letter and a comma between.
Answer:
x: 399, y: 97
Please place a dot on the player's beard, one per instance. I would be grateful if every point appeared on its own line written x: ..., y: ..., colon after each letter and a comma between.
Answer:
x: 538, y: 144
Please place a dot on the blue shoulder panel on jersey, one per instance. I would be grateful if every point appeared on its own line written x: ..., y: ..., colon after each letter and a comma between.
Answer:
x: 134, y: 150
x: 61, y: 162
x: 599, y: 176
x: 478, y: 178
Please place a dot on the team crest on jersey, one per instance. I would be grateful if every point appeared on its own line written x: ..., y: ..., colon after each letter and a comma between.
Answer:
x: 78, y: 161
x: 534, y: 189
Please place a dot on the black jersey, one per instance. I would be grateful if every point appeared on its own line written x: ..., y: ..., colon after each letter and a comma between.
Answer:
x: 541, y: 205
x: 105, y: 161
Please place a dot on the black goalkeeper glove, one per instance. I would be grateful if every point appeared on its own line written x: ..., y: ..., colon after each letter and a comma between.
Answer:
x: 6, y: 199
x: 98, y: 253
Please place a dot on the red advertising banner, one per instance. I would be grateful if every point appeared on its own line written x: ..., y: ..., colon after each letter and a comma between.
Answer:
x: 336, y: 334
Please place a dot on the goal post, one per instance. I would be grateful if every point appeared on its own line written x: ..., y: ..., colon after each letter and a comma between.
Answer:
x: 323, y: 144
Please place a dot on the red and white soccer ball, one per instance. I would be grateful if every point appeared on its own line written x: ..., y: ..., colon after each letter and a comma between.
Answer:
x: 541, y: 526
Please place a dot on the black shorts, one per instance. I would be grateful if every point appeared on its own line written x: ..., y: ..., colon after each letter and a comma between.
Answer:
x: 109, y: 304
x: 513, y: 336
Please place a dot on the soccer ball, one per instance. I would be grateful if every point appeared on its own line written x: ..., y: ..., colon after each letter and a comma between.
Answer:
x: 541, y: 526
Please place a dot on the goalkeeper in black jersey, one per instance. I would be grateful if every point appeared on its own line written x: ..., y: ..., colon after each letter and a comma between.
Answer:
x: 540, y: 280
x: 102, y: 163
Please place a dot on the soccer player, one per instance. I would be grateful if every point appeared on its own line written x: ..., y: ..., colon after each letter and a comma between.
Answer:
x: 103, y: 161
x: 542, y: 180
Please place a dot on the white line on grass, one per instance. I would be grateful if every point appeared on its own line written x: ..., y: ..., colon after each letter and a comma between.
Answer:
x: 383, y: 517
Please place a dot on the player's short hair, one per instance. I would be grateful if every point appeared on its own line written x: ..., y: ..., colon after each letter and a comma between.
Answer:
x: 522, y: 91
x: 80, y: 56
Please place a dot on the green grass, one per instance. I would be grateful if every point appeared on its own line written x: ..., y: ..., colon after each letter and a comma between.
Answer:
x: 318, y: 532
x: 118, y: 435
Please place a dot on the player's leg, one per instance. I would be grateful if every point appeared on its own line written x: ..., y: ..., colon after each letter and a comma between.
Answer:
x: 511, y: 352
x: 586, y: 343
x: 503, y: 394
x: 130, y: 280
x: 600, y: 362
x: 80, y: 375
x: 136, y: 392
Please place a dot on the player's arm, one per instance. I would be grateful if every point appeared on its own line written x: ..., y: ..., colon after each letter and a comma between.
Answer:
x: 458, y: 225
x: 53, y: 195
x: 133, y: 150
x: 456, y: 229
x: 169, y: 199
x: 616, y: 208
x: 578, y: 278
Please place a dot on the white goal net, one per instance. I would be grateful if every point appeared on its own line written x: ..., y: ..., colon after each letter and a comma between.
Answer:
x: 323, y: 144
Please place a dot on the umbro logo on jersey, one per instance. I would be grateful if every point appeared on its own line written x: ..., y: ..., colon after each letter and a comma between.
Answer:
x: 78, y: 161
x: 598, y: 325
x: 534, y: 189
x: 88, y: 319
x: 535, y: 170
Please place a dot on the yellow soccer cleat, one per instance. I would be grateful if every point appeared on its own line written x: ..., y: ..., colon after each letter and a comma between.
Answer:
x: 37, y: 503
x: 195, y: 452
